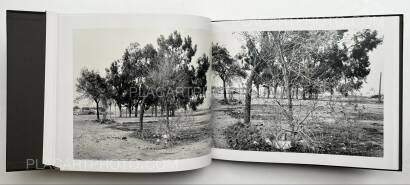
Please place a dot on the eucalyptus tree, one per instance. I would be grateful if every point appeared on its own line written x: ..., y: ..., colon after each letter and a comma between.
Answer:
x: 255, y: 56
x: 165, y: 79
x: 357, y: 67
x: 116, y: 83
x: 225, y: 66
x: 200, y: 82
x: 92, y: 86
x: 173, y: 75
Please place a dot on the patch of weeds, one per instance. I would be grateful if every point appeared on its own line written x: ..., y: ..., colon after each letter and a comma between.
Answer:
x: 107, y: 121
x: 179, y: 131
x: 368, y: 116
x: 237, y: 114
x: 344, y: 140
x: 242, y: 136
x: 223, y: 102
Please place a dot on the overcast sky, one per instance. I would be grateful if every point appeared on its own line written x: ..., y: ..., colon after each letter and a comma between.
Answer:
x: 97, y: 48
x: 378, y: 57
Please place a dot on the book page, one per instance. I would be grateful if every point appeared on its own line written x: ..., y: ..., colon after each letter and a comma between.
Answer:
x: 320, y: 91
x: 132, y: 93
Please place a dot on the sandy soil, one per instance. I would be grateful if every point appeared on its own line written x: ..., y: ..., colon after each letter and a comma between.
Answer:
x: 116, y: 141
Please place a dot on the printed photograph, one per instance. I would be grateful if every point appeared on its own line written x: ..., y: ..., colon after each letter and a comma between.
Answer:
x: 304, y: 91
x: 141, y: 94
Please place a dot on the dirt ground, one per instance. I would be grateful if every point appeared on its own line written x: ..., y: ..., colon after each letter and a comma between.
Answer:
x: 346, y: 126
x: 117, y: 141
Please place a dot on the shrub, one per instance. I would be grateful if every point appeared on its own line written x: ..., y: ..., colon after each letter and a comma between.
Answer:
x: 242, y: 136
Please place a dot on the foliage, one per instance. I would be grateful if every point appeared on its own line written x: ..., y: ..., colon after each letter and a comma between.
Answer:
x: 149, y: 77
x: 225, y: 66
x: 317, y: 61
x: 92, y: 86
x: 116, y: 84
x: 242, y: 136
x: 358, y: 66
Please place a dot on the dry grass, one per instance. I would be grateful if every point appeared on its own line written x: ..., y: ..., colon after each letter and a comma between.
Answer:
x: 343, y: 126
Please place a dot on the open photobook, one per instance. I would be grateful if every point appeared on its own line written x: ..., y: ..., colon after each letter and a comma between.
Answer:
x: 162, y: 93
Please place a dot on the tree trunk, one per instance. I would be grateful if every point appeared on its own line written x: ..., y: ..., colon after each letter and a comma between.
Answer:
x: 167, y: 115
x: 248, y: 99
x: 268, y: 91
x: 289, y: 97
x: 290, y: 109
x: 98, y: 110
x: 129, y: 109
x: 283, y: 92
x: 136, y: 109
x: 275, y: 90
x: 380, y: 89
x: 142, y: 109
x: 297, y: 92
x: 224, y: 89
x: 257, y: 90
x: 110, y: 112
x: 119, y: 108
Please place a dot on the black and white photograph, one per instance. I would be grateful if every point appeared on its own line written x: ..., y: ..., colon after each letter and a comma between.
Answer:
x: 205, y: 92
x: 317, y: 91
x: 140, y: 94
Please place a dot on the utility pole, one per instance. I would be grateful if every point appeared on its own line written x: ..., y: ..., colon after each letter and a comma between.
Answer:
x: 380, y: 88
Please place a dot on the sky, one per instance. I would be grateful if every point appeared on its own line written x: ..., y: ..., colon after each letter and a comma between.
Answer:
x: 378, y: 57
x: 96, y: 49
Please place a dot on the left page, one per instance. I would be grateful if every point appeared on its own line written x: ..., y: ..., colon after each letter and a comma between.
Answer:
x: 130, y: 93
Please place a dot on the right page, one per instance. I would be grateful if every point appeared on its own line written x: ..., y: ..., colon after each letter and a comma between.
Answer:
x: 320, y: 91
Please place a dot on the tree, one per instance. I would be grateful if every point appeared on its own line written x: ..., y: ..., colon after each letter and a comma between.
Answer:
x: 287, y: 55
x: 293, y: 55
x: 357, y: 67
x: 173, y: 78
x: 225, y: 66
x: 330, y: 66
x: 91, y: 85
x: 256, y: 57
x: 129, y: 72
x: 149, y: 62
x: 165, y: 80
x: 136, y: 63
x: 179, y: 51
x: 315, y: 60
x: 116, y: 83
x: 199, y: 82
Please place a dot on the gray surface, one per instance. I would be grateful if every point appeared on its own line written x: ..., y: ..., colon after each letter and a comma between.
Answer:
x: 23, y: 114
x: 219, y: 171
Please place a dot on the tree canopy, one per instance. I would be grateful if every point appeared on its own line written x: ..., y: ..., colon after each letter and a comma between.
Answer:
x: 92, y: 86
